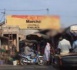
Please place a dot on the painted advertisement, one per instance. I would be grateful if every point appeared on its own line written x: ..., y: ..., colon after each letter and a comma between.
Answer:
x: 33, y: 21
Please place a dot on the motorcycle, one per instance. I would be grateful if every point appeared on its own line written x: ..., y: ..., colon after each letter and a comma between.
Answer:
x: 24, y: 60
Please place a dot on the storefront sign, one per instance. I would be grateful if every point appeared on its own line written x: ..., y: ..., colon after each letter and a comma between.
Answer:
x: 33, y: 22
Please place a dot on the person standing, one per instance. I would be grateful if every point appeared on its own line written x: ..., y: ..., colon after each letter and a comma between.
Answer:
x: 47, y: 53
x: 74, y: 47
x: 64, y: 46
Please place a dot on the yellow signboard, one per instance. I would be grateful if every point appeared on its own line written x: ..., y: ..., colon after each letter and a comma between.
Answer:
x: 33, y: 22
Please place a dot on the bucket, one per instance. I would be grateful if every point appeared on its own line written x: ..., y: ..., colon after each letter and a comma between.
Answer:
x: 15, y: 62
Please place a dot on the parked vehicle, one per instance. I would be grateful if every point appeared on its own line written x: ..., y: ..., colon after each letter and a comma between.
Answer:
x: 24, y: 60
x: 66, y: 60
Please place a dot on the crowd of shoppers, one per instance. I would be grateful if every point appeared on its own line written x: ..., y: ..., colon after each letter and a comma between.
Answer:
x: 64, y: 47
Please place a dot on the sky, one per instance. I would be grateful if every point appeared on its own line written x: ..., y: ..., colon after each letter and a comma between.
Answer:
x: 66, y: 9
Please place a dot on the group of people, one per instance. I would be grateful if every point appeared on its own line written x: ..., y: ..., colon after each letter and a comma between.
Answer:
x: 64, y: 47
x: 28, y: 50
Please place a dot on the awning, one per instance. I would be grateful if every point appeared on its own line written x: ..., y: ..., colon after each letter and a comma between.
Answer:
x: 37, y: 37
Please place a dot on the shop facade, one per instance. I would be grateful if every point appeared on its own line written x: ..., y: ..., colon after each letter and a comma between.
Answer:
x: 12, y: 33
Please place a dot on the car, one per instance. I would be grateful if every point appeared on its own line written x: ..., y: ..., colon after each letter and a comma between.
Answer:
x: 65, y: 60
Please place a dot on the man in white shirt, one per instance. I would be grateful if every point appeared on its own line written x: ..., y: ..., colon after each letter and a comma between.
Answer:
x: 64, y: 46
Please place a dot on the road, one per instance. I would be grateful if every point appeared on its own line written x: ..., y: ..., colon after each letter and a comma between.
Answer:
x: 30, y: 67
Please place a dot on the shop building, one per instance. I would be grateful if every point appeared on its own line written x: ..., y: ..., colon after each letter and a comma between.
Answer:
x: 13, y: 34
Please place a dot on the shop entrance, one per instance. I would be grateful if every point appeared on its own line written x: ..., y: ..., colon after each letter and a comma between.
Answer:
x: 12, y: 39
